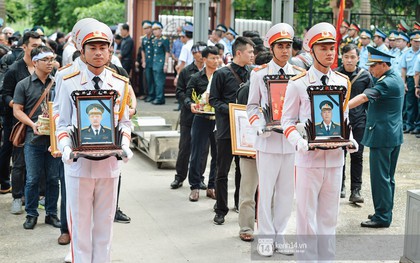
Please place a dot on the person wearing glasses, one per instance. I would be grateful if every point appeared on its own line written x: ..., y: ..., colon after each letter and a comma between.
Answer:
x: 38, y: 159
x: 19, y: 70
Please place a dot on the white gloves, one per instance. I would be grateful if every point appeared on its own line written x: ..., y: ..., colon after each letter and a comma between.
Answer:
x: 261, y: 129
x: 355, y: 144
x: 128, y: 153
x: 302, y: 145
x: 66, y: 157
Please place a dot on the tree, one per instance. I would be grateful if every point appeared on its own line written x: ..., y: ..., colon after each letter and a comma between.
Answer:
x: 16, y: 10
x: 67, y: 15
x: 45, y: 13
x: 110, y: 12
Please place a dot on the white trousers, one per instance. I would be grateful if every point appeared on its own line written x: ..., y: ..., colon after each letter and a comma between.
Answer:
x: 249, y: 184
x: 275, y: 196
x: 91, y: 210
x: 317, y: 202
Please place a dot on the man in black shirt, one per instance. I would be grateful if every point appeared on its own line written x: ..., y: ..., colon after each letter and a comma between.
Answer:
x: 360, y: 80
x: 186, y: 116
x: 127, y: 47
x: 38, y: 159
x: 18, y: 71
x: 224, y: 86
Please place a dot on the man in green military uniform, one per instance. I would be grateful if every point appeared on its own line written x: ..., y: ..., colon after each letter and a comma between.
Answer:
x: 160, y: 62
x: 147, y: 59
x: 383, y: 134
x: 95, y: 132
x: 327, y: 127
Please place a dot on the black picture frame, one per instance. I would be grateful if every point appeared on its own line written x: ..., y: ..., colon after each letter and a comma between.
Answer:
x: 107, y: 141
x: 324, y: 99
x: 276, y: 91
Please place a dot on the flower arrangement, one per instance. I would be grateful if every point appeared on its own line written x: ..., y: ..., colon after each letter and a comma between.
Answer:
x: 44, y: 120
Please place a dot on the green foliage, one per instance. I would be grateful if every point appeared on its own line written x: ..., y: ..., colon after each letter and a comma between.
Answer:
x: 45, y: 13
x: 110, y: 12
x: 16, y: 10
x: 67, y: 16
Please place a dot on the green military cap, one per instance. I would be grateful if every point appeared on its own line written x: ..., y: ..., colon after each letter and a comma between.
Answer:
x: 94, y: 108
x: 376, y: 56
x: 326, y: 105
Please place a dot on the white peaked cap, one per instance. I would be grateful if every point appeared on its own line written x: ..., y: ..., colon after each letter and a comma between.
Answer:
x: 94, y: 31
x: 319, y: 33
x: 280, y: 32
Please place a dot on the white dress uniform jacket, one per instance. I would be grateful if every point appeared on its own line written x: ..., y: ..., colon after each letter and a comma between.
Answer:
x: 297, y: 104
x: 109, y: 167
x: 258, y: 97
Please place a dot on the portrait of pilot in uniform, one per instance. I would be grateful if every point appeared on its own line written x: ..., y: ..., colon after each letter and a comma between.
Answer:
x: 95, y: 132
x: 327, y: 127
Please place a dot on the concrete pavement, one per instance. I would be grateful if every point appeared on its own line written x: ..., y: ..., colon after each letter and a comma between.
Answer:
x: 166, y: 227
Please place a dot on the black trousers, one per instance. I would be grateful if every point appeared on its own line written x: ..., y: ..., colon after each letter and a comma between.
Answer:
x: 5, y: 155
x: 356, y: 161
x: 224, y: 160
x: 18, y: 172
x: 237, y: 181
x: 184, y: 152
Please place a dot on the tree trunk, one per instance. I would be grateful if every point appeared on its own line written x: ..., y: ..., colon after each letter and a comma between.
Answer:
x: 365, y: 9
x: 3, y: 11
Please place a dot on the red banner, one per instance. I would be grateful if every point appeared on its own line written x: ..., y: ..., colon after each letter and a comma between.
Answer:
x: 340, y: 19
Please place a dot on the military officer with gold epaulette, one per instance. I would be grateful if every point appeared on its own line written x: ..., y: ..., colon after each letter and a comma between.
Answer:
x: 92, y: 185
x: 318, y: 172
x: 275, y: 155
x: 95, y: 132
x: 160, y: 62
x: 147, y: 59
x: 383, y: 134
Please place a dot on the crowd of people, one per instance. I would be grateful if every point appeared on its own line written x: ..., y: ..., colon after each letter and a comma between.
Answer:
x: 380, y: 71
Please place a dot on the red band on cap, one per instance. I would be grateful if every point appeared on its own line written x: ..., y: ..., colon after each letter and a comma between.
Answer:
x: 321, y: 36
x: 278, y: 36
x: 95, y: 35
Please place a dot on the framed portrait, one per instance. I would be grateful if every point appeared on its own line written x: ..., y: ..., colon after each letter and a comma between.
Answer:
x: 95, y: 135
x: 276, y: 90
x: 243, y: 135
x: 327, y: 126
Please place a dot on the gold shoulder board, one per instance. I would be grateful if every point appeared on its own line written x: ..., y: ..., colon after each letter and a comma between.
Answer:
x: 260, y: 67
x: 109, y: 68
x: 71, y: 75
x: 298, y: 68
x: 341, y: 74
x: 115, y: 75
x: 381, y: 78
x: 64, y: 67
x: 299, y: 76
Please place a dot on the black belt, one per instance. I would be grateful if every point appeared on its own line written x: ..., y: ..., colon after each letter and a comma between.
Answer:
x: 208, y: 117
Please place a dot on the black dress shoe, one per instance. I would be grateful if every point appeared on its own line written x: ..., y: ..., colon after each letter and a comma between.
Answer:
x: 219, y: 219
x: 176, y: 184
x: 374, y: 224
x: 203, y: 186
x: 415, y: 131
x: 407, y: 130
x: 155, y: 102
x: 30, y: 222
x: 343, y: 192
x: 120, y: 217
x: 355, y: 196
x: 53, y: 220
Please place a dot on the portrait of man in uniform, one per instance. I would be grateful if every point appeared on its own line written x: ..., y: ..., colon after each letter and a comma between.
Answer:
x: 327, y: 127
x: 95, y: 131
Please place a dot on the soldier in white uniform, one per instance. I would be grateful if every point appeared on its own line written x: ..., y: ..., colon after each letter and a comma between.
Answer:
x: 92, y: 185
x: 318, y: 172
x: 275, y: 155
